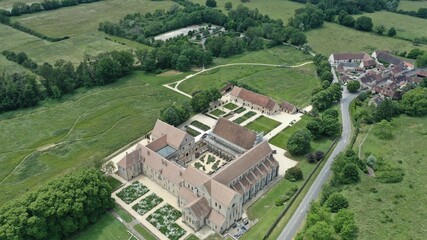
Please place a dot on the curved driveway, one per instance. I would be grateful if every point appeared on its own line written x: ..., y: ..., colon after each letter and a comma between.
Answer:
x: 297, y: 219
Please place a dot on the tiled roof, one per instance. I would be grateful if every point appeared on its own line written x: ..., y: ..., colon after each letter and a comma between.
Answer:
x: 422, y: 73
x: 240, y: 165
x: 387, y: 57
x: 216, y: 218
x: 129, y: 160
x: 194, y: 176
x: 152, y: 159
x: 348, y: 56
x: 200, y: 207
x: 287, y: 106
x: 222, y: 193
x: 255, y: 98
x: 172, y: 172
x: 235, y: 133
x: 186, y: 194
x: 175, y: 136
x: 158, y: 144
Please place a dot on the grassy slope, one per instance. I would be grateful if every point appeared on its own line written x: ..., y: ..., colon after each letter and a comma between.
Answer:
x: 106, y: 228
x: 263, y: 124
x: 91, y: 124
x: 409, y: 214
x: 276, y: 9
x: 293, y: 85
x: 412, y: 5
x: 7, y: 4
x: 407, y: 27
x: 11, y: 67
x: 335, y: 38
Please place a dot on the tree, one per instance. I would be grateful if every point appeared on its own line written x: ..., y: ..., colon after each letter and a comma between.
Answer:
x: 364, y: 23
x: 199, y: 102
x: 344, y: 224
x: 353, y: 86
x: 299, y: 142
x: 316, y: 127
x: 183, y: 64
x: 298, y: 38
x: 333, y: 113
x: 414, y: 102
x: 319, y: 155
x: 362, y: 96
x: 421, y: 60
x: 414, y: 53
x: 331, y: 126
x: 336, y: 202
x: 327, y: 76
x: 386, y: 110
x: 380, y: 29
x: 350, y: 174
x: 391, y: 32
x: 211, y: 3
x: 293, y: 174
x: 320, y: 231
x: 348, y: 21
x: 228, y: 6
x: 383, y: 130
x: 311, y: 158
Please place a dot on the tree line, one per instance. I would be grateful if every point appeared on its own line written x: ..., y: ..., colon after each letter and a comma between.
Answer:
x: 21, y: 90
x: 353, y: 6
x: 59, y: 209
x: 20, y: 8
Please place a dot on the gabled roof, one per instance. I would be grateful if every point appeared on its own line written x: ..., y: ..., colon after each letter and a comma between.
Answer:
x: 186, y: 194
x: 175, y: 136
x: 172, y: 172
x: 387, y: 57
x: 194, y: 176
x: 348, y: 56
x: 235, y: 133
x: 200, y: 207
x: 255, y: 98
x: 151, y: 158
x: 287, y: 106
x: 130, y: 159
x: 216, y: 218
x: 422, y: 74
x: 222, y: 193
x: 158, y: 144
x: 240, y: 165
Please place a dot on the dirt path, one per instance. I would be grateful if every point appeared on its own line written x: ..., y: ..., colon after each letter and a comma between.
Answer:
x: 177, y: 83
x: 371, y: 171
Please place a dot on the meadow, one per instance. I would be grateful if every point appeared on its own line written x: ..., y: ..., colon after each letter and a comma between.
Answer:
x: 10, y: 67
x: 56, y: 137
x: 276, y: 9
x: 335, y: 38
x: 393, y: 211
x: 291, y: 84
x: 412, y: 5
x: 407, y: 27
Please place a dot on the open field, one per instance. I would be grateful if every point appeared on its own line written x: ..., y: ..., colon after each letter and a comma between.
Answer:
x: 263, y: 124
x: 407, y: 27
x: 291, y: 84
x: 86, y: 126
x: 276, y: 9
x: 11, y: 67
x: 106, y: 228
x: 335, y: 38
x: 281, y: 139
x: 372, y: 201
x: 412, y: 5
x: 7, y: 4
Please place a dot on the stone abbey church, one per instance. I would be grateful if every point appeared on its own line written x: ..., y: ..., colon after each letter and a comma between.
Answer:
x: 215, y: 198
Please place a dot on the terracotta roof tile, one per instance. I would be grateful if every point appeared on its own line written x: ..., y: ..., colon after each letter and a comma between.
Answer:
x: 158, y: 144
x: 222, y: 193
x: 255, y: 98
x: 175, y: 136
x: 216, y: 218
x: 200, y: 207
x: 287, y: 106
x: 130, y: 159
x: 186, y: 194
x: 194, y: 176
x: 172, y: 172
x: 348, y: 56
x: 235, y: 133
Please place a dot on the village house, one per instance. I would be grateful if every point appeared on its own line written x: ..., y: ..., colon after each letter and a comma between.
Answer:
x: 213, y: 199
x: 254, y: 100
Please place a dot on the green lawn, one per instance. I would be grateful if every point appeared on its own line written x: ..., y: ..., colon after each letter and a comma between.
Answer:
x: 144, y: 232
x: 88, y: 125
x: 412, y: 5
x: 263, y: 124
x: 408, y: 213
x: 11, y: 67
x: 281, y: 139
x: 245, y: 117
x: 217, y: 112
x: 230, y: 106
x: 114, y: 183
x: 106, y: 228
x: 192, y: 237
x: 407, y: 27
x: 283, y: 9
x: 123, y: 214
x: 290, y: 84
x: 335, y: 38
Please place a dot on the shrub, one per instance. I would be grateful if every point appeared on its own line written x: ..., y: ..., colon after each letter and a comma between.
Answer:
x: 336, y: 202
x: 299, y: 142
x: 293, y: 174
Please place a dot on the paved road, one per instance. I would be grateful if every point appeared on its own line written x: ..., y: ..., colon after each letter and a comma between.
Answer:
x: 295, y: 222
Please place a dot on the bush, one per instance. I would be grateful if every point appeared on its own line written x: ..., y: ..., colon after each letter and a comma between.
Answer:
x: 336, y: 202
x: 392, y: 175
x: 299, y: 142
x: 350, y: 174
x: 293, y: 174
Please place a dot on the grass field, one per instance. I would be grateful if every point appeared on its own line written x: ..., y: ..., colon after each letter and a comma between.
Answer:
x: 263, y: 124
x: 123, y: 214
x: 144, y: 232
x: 88, y: 125
x: 7, y: 4
x: 106, y: 228
x: 407, y: 27
x: 335, y: 38
x: 412, y: 5
x: 11, y: 67
x: 281, y: 139
x: 276, y: 9
x: 401, y: 202
x: 291, y: 84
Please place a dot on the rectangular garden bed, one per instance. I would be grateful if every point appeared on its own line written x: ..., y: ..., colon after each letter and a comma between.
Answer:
x: 164, y: 220
x: 263, y: 124
x: 230, y: 106
x: 240, y: 110
x: 147, y: 204
x: 132, y: 192
x: 245, y: 117
x: 193, y: 132
x: 217, y: 112
x: 200, y: 125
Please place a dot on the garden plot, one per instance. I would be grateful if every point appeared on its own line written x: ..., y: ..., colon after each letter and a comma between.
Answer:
x: 217, y: 112
x: 200, y: 125
x: 164, y: 220
x: 230, y: 106
x: 147, y: 204
x: 132, y: 192
x: 209, y: 163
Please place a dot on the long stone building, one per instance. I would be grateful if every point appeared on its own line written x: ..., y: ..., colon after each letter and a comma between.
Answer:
x: 216, y: 198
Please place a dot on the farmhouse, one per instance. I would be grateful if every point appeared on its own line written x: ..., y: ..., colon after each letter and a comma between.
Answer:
x: 254, y: 100
x: 337, y: 58
x: 385, y: 56
x: 215, y: 198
